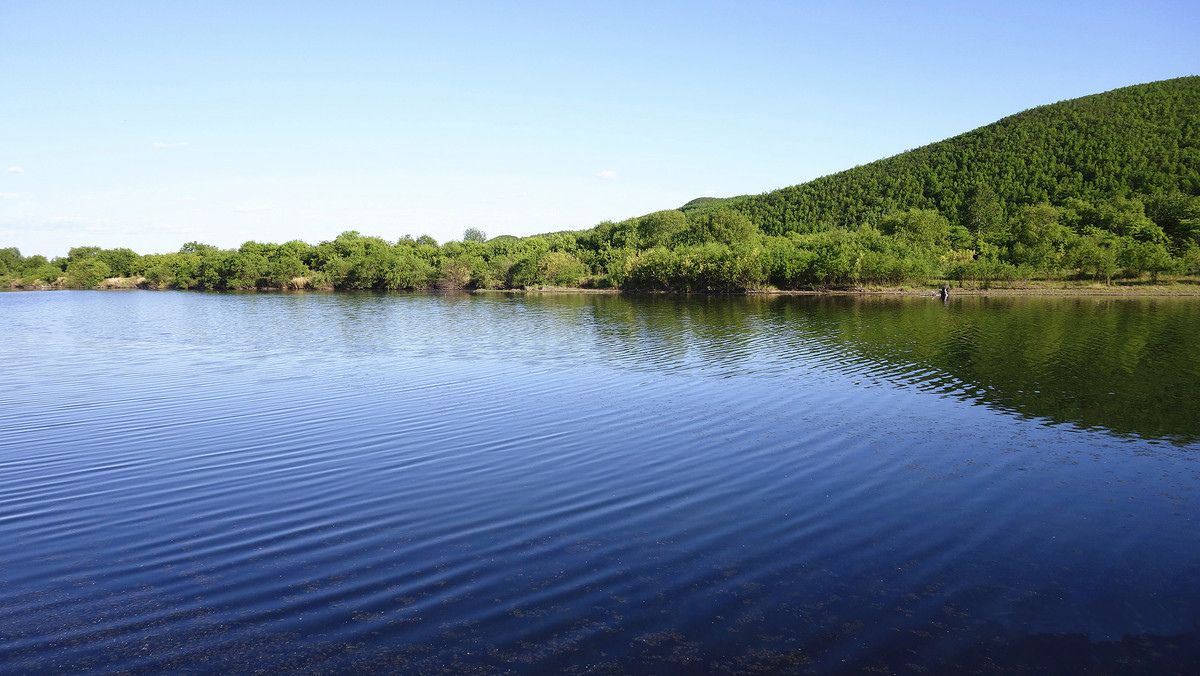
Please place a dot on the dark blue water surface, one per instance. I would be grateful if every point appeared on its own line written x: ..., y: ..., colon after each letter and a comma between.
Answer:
x: 592, y: 483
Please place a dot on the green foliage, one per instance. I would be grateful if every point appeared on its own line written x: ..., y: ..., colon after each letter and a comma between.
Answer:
x: 46, y: 273
x: 197, y: 248
x: 653, y: 269
x: 1189, y: 260
x: 1177, y: 214
x: 405, y: 269
x: 243, y: 270
x: 285, y: 268
x: 1140, y: 257
x: 1036, y: 239
x: 455, y: 273
x: 921, y: 228
x: 661, y: 227
x: 34, y: 270
x: 86, y: 272
x: 1095, y: 252
x: 982, y: 213
x: 121, y: 262
x: 788, y: 264
x: 623, y: 235
x: 174, y: 271
x: 723, y: 226
x: 80, y: 253
x: 10, y: 260
x: 560, y: 268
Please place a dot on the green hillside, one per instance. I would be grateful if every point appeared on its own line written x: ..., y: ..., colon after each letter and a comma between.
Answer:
x: 1096, y: 189
x: 1128, y: 142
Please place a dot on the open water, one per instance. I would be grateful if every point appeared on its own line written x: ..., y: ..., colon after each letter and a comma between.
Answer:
x: 597, y: 484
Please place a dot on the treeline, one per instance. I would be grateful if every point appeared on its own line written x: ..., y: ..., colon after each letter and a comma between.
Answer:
x: 723, y: 250
x: 710, y: 251
x: 351, y: 261
x: 1102, y: 187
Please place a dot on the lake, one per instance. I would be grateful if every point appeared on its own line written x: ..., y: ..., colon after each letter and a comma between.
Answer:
x: 597, y: 483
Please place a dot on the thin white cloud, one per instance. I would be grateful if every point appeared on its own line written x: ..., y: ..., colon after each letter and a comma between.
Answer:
x: 109, y: 225
x: 155, y: 227
x: 15, y: 170
x: 9, y: 195
x: 168, y: 145
x: 251, y: 208
x: 606, y: 174
x: 185, y: 199
x: 86, y: 222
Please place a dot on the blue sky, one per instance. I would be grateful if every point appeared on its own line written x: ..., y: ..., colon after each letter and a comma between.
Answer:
x: 150, y: 124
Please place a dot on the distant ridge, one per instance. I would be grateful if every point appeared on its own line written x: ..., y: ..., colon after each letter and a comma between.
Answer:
x: 698, y: 201
x: 1137, y: 140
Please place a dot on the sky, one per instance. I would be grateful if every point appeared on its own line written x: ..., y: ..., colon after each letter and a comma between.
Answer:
x: 148, y: 125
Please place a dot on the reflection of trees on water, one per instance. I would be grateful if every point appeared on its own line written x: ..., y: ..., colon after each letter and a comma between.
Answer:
x: 671, y: 332
x: 1128, y: 365
x: 1125, y: 365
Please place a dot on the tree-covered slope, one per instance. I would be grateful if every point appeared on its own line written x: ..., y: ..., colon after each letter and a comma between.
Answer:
x: 1103, y: 187
x: 1137, y: 140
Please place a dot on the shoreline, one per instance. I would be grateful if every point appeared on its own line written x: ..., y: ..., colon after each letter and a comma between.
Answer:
x: 1159, y: 290
x: 1132, y: 290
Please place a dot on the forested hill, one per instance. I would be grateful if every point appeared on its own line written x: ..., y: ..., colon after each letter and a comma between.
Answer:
x: 1137, y: 140
x: 1099, y: 188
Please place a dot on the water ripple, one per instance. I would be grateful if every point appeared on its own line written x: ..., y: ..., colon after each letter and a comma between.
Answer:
x: 320, y: 482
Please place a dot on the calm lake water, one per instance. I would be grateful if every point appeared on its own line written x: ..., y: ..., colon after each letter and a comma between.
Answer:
x: 597, y: 484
